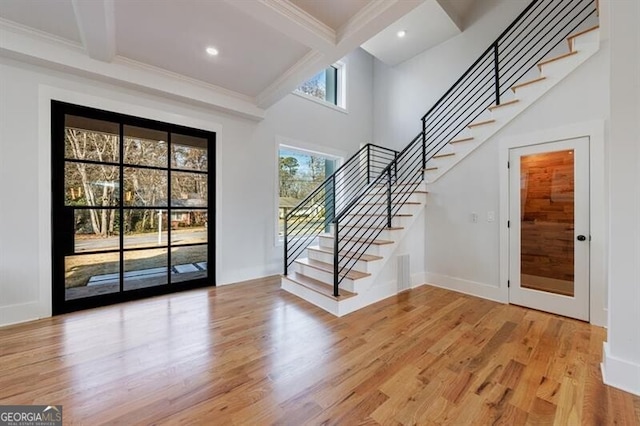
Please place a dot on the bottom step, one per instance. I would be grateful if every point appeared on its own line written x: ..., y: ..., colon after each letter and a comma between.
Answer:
x: 318, y: 286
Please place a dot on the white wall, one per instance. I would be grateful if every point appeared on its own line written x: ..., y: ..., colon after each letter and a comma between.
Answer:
x: 246, y: 175
x: 621, y: 365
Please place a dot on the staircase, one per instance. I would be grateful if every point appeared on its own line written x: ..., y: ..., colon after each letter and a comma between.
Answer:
x: 340, y: 239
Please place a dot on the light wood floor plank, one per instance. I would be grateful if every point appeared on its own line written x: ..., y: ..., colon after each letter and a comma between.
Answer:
x: 252, y: 354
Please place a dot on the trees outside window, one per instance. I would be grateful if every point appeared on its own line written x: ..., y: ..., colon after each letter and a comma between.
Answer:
x: 300, y: 172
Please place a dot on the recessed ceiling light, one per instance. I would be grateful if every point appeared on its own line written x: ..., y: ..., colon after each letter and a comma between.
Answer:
x: 212, y: 51
x: 402, y: 33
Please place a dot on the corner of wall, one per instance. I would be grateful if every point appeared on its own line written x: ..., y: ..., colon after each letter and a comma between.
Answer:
x: 620, y: 373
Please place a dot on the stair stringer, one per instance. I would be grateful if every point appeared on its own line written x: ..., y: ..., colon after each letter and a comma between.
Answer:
x: 373, y: 288
x: 585, y: 45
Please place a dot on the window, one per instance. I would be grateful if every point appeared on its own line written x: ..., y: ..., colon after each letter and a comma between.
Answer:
x: 131, y: 207
x: 326, y: 86
x: 300, y: 172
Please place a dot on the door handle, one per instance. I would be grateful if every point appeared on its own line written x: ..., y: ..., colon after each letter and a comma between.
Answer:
x: 581, y: 238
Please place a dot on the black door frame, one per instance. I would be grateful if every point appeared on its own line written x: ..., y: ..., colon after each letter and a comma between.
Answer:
x: 60, y: 233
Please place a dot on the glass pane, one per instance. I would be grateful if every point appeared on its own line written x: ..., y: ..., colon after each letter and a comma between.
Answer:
x: 91, y: 184
x: 91, y: 274
x: 188, y: 189
x: 145, y: 228
x: 96, y: 230
x: 188, y: 152
x: 188, y: 227
x: 145, y: 147
x: 316, y: 86
x: 301, y: 173
x: 145, y: 268
x: 88, y: 139
x: 145, y: 187
x: 547, y: 222
x: 188, y: 263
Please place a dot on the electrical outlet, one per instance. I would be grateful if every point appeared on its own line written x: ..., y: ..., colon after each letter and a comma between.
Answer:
x: 491, y: 216
x: 474, y: 217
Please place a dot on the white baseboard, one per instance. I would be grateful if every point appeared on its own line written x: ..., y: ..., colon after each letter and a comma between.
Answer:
x: 472, y: 288
x: 620, y: 373
x: 14, y: 314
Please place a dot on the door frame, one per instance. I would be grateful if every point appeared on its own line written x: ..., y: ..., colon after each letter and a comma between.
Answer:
x: 594, y: 131
x: 577, y: 305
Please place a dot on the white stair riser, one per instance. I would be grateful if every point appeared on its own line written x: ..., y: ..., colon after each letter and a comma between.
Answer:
x: 377, y: 221
x: 325, y: 277
x: 328, y: 304
x: 364, y: 233
x: 589, y: 40
x: 321, y: 256
x: 373, y: 249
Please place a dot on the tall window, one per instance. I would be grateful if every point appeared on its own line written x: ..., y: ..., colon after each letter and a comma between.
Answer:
x: 326, y: 86
x: 300, y: 172
x: 131, y: 207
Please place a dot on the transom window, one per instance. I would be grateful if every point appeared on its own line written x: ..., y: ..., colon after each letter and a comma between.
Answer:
x: 326, y: 86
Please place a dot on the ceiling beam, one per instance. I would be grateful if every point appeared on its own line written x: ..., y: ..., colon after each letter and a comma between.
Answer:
x: 451, y: 12
x: 291, y: 21
x: 96, y: 24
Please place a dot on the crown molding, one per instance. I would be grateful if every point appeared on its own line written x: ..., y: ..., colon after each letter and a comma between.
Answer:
x: 296, y: 14
x: 290, y: 20
x: 26, y: 31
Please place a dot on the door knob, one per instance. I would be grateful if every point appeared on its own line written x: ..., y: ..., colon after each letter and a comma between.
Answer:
x: 581, y: 238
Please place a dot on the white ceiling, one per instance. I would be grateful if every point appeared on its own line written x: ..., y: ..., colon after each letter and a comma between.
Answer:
x: 267, y: 47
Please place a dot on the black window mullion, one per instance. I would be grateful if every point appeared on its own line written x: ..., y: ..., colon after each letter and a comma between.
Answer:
x: 121, y: 204
x: 169, y: 268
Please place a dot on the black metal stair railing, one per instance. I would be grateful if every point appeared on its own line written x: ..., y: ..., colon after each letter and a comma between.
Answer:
x: 535, y: 33
x: 314, y: 214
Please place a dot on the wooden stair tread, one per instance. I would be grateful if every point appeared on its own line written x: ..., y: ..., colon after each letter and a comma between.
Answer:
x: 318, y: 286
x: 578, y: 34
x: 448, y: 154
x: 470, y: 138
x: 379, y: 214
x: 413, y: 203
x: 384, y: 228
x: 511, y: 102
x: 556, y: 58
x: 527, y: 83
x: 356, y: 240
x: 327, y: 267
x: 481, y: 123
x: 365, y: 257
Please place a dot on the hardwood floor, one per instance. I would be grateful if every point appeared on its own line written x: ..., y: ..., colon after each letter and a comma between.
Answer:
x: 253, y: 354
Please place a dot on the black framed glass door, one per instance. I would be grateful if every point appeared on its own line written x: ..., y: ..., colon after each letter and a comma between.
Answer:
x: 132, y: 214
